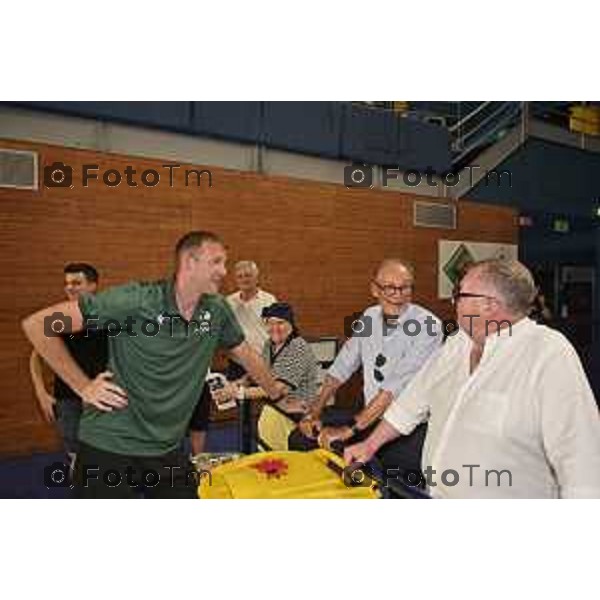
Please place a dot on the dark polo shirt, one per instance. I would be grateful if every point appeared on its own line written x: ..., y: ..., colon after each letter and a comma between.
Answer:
x: 89, y: 349
x: 160, y: 359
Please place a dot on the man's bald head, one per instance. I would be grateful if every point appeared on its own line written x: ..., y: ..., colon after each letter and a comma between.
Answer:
x: 394, y: 266
x: 393, y: 285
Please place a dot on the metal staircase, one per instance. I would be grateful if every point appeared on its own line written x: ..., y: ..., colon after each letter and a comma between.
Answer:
x: 492, y: 131
x: 481, y: 127
x: 484, y: 138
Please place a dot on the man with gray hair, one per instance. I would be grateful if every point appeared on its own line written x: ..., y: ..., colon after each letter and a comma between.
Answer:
x: 510, y: 411
x: 247, y: 304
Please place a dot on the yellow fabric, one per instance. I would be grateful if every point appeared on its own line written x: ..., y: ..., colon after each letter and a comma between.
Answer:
x: 303, y: 475
x: 274, y: 428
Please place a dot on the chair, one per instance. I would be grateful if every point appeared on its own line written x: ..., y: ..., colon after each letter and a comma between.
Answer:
x: 274, y: 425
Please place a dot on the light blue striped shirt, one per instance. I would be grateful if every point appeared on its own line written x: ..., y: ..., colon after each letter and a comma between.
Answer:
x: 406, y: 347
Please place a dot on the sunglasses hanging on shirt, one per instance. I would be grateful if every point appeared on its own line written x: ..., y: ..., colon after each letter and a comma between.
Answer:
x: 380, y: 361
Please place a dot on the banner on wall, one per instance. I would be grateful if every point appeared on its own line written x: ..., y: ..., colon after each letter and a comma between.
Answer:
x: 454, y: 255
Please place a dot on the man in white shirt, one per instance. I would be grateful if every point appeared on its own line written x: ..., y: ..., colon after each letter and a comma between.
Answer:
x: 391, y: 341
x: 510, y: 411
x: 247, y: 304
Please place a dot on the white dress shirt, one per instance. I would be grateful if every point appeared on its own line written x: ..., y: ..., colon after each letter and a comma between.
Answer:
x: 405, y: 354
x: 527, y: 409
x: 249, y: 316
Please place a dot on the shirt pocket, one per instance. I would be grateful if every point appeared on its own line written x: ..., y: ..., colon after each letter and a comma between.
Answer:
x: 487, y: 412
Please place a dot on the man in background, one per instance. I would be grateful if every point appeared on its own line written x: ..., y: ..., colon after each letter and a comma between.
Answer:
x: 247, y: 305
x: 90, y: 351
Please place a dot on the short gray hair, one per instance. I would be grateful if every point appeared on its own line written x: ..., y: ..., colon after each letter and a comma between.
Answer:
x: 511, y: 279
x: 247, y: 264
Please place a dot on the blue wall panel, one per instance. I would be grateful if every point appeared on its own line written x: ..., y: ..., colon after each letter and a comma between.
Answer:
x: 371, y: 136
x: 307, y: 127
x: 423, y: 145
x: 240, y: 121
x: 165, y: 115
x: 382, y: 137
x: 546, y: 177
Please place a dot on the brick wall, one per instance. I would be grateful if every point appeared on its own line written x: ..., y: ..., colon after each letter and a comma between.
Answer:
x: 316, y: 244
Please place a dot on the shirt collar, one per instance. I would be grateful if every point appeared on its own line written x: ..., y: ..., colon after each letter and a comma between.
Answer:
x: 497, y: 339
x: 255, y: 297
x: 516, y: 329
x: 403, y: 316
x: 171, y: 302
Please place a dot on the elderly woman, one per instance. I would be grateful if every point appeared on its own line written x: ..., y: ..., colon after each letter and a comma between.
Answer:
x: 293, y: 364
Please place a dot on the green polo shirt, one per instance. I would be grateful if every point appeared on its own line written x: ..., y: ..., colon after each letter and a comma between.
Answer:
x: 158, y: 358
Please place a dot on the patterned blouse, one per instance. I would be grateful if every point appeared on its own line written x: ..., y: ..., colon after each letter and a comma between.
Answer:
x: 295, y: 365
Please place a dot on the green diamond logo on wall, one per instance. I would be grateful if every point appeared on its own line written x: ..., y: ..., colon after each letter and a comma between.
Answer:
x: 457, y: 262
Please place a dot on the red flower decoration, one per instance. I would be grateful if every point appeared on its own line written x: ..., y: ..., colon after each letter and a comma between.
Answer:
x: 271, y: 467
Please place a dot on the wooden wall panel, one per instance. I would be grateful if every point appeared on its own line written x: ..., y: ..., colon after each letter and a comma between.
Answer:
x: 317, y: 245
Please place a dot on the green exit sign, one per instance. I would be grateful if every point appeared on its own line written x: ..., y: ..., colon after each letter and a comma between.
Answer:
x: 561, y: 225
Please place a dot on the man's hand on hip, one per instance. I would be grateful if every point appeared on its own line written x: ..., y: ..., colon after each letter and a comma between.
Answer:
x: 104, y: 395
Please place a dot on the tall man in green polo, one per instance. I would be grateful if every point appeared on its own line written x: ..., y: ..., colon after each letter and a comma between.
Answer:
x: 162, y: 337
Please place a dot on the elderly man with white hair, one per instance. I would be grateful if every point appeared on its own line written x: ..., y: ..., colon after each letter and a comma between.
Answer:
x: 247, y: 304
x: 390, y: 342
x: 509, y: 408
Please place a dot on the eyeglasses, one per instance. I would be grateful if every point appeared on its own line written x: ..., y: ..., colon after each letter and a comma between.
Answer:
x: 380, y: 360
x: 389, y: 289
x: 457, y: 295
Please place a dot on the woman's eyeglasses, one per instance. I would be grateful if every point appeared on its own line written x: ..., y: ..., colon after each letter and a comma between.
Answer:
x: 380, y: 360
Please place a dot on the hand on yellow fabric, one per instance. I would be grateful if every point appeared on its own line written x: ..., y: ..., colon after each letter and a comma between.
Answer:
x: 361, y: 452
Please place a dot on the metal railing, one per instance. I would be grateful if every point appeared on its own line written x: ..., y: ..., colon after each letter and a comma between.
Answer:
x: 483, y: 126
x: 487, y: 122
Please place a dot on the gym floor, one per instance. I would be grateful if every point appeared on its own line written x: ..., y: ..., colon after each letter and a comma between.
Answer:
x: 23, y: 477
